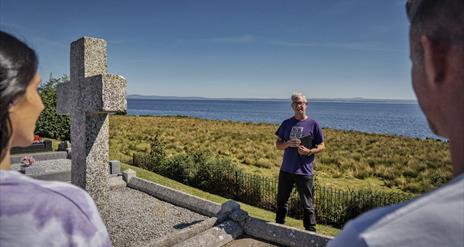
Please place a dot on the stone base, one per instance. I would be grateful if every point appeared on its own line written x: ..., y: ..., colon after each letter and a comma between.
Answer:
x: 116, y: 183
x: 16, y: 158
x: 51, y: 170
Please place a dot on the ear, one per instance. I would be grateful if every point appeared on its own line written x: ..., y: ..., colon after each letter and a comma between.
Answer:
x: 11, y: 108
x: 434, y: 60
x: 13, y: 105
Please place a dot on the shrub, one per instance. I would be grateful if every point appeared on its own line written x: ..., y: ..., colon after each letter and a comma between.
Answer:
x: 157, y: 154
x: 216, y: 176
x: 50, y: 124
x: 179, y: 167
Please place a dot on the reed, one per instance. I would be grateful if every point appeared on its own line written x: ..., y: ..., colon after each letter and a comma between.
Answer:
x: 351, y: 159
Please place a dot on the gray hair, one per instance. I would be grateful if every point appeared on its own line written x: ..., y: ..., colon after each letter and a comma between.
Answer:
x: 298, y: 95
x: 442, y: 21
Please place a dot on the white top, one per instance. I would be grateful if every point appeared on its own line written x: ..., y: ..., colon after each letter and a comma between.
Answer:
x: 433, y: 219
x: 45, y: 213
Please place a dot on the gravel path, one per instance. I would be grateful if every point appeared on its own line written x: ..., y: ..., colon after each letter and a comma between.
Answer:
x: 136, y: 218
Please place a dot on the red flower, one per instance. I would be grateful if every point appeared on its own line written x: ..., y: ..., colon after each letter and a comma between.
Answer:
x: 37, y: 139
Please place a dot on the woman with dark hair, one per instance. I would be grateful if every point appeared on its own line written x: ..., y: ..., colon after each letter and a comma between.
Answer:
x: 33, y: 212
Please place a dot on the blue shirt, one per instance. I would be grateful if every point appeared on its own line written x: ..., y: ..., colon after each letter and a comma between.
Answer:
x: 310, y: 133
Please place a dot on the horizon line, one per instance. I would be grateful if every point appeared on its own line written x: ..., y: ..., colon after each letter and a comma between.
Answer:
x: 262, y: 98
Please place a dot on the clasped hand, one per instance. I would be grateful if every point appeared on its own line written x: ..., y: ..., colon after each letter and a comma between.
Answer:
x: 296, y: 143
x: 302, y: 150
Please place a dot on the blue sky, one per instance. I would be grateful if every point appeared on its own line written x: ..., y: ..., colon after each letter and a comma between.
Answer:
x: 237, y: 49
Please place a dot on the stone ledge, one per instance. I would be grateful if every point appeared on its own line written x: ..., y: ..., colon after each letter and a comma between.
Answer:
x: 184, y: 234
x: 176, y: 197
x: 281, y: 234
x: 259, y: 229
x: 215, y: 237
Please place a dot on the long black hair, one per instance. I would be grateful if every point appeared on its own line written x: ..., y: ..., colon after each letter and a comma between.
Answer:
x: 18, y: 65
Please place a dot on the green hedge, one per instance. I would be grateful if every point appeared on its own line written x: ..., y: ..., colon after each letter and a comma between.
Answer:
x: 220, y: 176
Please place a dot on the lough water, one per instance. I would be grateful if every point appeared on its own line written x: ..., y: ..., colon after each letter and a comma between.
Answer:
x: 397, y: 118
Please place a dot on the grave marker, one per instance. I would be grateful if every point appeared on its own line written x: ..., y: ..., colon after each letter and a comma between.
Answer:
x: 89, y: 97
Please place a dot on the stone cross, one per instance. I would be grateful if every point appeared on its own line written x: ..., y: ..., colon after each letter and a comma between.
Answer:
x: 89, y: 97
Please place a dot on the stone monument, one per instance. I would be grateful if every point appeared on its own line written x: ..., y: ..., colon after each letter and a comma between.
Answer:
x: 89, y: 97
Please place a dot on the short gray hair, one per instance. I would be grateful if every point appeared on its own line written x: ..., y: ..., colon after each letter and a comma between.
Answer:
x: 298, y: 95
x: 442, y: 21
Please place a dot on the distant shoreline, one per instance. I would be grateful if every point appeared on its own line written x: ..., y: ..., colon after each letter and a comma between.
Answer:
x: 334, y: 100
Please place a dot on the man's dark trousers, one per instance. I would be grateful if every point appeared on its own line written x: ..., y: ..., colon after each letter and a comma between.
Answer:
x: 304, y: 185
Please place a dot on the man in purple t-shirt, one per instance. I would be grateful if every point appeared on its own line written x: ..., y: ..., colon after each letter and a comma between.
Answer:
x: 301, y: 138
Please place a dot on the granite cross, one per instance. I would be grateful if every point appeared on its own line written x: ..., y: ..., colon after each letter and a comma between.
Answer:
x: 89, y: 96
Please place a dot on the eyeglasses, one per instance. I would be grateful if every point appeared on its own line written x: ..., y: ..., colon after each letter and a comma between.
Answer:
x: 411, y: 8
x: 299, y: 103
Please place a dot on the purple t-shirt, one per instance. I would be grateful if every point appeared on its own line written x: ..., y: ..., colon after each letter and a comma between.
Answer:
x: 44, y: 213
x: 307, y: 129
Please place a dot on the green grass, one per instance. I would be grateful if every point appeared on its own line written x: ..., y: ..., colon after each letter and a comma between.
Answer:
x: 253, y: 211
x: 351, y: 159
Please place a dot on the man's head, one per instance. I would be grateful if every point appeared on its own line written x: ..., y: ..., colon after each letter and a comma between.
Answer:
x: 299, y: 104
x: 437, y: 55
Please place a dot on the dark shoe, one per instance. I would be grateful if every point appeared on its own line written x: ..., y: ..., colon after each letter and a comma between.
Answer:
x: 311, y: 229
